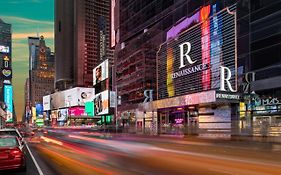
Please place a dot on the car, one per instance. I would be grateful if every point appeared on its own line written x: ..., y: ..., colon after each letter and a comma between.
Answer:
x: 12, y: 156
x: 12, y: 132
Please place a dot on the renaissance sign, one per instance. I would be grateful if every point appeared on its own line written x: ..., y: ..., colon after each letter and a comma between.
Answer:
x: 199, y: 54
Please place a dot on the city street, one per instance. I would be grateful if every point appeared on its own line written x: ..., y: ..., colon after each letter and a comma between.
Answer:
x: 88, y: 152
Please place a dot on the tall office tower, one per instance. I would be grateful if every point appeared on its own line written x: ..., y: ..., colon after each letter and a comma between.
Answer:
x: 139, y: 27
x: 6, y: 92
x: 41, y: 76
x: 81, y: 40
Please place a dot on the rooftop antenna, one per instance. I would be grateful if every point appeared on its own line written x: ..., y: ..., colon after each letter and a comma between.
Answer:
x: 37, y: 31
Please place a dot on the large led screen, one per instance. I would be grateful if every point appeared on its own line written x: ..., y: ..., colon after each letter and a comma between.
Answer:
x: 77, y: 111
x: 101, y: 72
x: 4, y: 49
x: 46, y: 103
x: 8, y: 99
x: 78, y: 96
x: 196, y: 49
x: 62, y: 114
x: 102, y: 103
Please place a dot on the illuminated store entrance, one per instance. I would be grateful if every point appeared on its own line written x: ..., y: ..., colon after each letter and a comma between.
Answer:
x: 178, y: 120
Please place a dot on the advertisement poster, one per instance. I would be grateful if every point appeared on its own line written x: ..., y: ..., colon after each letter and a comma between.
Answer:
x: 102, y: 103
x: 191, y: 59
x: 8, y: 99
x: 101, y: 72
x: 46, y: 103
x: 4, y: 49
x: 39, y: 110
x: 62, y: 114
x: 77, y: 111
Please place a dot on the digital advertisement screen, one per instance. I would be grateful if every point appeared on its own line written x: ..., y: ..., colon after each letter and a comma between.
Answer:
x: 62, y: 114
x: 196, y: 49
x: 39, y: 110
x: 77, y: 111
x: 46, y: 103
x: 101, y: 72
x: 8, y: 99
x: 4, y: 49
x: 102, y: 103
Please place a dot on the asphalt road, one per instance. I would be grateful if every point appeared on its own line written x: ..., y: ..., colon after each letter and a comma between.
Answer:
x: 68, y: 152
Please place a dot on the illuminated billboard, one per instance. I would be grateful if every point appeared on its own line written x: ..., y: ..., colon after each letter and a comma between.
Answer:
x: 8, y: 99
x: 100, y: 72
x: 6, y: 68
x: 199, y: 54
x: 46, y: 103
x: 77, y: 111
x: 78, y: 96
x: 62, y: 114
x: 39, y: 110
x: 4, y: 49
x: 102, y: 103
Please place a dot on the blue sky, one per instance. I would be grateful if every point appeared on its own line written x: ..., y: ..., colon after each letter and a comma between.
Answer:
x: 27, y: 18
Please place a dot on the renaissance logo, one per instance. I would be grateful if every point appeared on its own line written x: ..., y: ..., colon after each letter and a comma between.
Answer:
x: 188, y: 71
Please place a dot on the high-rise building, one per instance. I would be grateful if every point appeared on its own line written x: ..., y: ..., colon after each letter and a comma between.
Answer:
x: 192, y: 46
x: 139, y: 30
x: 33, y: 42
x: 41, y: 76
x: 27, y: 110
x: 6, y: 92
x: 81, y: 40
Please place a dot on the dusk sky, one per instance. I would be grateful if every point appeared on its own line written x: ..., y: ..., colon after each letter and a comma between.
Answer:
x: 27, y: 18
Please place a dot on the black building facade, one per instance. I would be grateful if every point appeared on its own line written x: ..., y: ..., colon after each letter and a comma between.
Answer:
x: 144, y: 25
x: 6, y: 92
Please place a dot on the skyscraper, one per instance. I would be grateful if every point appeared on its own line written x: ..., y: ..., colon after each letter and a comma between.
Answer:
x: 81, y: 40
x: 41, y: 76
x: 6, y: 92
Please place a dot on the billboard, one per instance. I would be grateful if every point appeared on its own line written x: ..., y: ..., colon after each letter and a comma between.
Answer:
x: 57, y: 100
x: 102, y: 103
x: 4, y: 49
x: 6, y: 68
x: 39, y: 110
x: 46, y: 103
x: 62, y: 114
x: 89, y: 108
x: 8, y: 99
x: 100, y: 72
x: 78, y: 96
x: 77, y: 111
x: 72, y: 97
x: 199, y: 52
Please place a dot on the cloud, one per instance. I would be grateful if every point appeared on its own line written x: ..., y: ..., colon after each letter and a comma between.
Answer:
x: 26, y: 25
x: 15, y: 19
x: 25, y: 1
x: 26, y: 35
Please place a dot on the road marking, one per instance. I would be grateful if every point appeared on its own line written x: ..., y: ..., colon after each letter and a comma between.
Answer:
x: 35, y: 162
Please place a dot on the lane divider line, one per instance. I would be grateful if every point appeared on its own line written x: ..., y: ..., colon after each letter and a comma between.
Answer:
x: 34, y: 160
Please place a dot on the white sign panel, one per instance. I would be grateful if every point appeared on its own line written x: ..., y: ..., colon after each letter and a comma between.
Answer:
x: 101, y: 103
x: 101, y: 72
x: 46, y: 103
x: 4, y: 49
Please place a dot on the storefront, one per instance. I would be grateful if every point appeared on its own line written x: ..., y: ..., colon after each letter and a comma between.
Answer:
x: 261, y: 114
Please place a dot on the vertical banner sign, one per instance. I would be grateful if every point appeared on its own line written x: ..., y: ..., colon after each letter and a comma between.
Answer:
x: 205, y: 45
x: 102, y: 37
x: 199, y: 54
x: 8, y: 99
x: 216, y: 45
